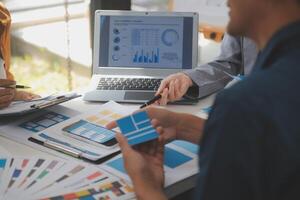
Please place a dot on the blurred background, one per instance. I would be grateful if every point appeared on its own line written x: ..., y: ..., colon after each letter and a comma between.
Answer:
x: 51, y: 39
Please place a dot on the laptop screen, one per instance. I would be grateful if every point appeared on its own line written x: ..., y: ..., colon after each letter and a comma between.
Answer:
x: 162, y: 42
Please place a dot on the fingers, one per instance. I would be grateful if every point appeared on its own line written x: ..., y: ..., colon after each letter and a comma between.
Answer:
x: 6, y: 97
x: 174, y: 90
x: 177, y: 91
x: 25, y: 96
x: 111, y: 125
x: 124, y: 146
x: 164, y: 97
x: 162, y: 86
x: 6, y: 82
x: 183, y: 88
x: 7, y: 93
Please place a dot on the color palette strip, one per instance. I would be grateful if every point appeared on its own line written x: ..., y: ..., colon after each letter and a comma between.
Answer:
x: 137, y: 128
x: 117, y: 188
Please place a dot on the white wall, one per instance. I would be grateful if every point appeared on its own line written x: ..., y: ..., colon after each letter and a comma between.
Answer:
x: 214, y: 12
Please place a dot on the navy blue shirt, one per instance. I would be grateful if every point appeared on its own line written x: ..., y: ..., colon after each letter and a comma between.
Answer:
x: 251, y: 143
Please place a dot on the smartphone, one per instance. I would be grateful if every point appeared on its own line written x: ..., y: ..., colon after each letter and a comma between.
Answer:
x: 91, y: 133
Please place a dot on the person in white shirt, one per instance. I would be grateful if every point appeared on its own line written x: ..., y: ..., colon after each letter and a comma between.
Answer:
x: 8, y: 94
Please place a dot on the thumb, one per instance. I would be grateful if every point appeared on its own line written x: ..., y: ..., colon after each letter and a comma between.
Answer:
x: 111, y: 125
x: 124, y: 146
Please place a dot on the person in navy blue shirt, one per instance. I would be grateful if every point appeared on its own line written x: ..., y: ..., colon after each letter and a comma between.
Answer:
x: 250, y: 144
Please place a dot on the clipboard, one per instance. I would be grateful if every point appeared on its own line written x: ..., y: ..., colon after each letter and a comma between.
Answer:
x: 56, y: 146
x: 25, y: 107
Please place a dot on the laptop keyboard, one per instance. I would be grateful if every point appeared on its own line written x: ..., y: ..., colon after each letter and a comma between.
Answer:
x: 151, y: 84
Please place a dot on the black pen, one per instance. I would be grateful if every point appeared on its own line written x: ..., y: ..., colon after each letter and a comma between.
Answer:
x: 15, y: 86
x: 155, y: 98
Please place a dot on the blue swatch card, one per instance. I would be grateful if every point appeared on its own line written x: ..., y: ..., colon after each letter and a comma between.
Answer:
x: 137, y: 128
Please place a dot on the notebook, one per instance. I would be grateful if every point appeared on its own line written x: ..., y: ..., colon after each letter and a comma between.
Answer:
x: 134, y: 51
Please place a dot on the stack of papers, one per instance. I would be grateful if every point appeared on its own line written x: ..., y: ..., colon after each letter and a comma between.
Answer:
x: 38, y: 178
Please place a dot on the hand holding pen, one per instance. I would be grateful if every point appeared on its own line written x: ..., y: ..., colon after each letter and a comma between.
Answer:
x: 151, y: 101
x: 7, y: 94
x: 173, y: 88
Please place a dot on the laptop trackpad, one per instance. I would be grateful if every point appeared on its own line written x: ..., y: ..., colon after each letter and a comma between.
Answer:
x: 139, y: 95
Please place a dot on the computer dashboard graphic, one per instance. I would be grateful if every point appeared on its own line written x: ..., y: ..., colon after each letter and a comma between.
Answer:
x: 142, y: 41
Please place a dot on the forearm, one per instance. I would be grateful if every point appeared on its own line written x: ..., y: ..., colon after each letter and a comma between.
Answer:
x: 144, y: 191
x: 190, y: 128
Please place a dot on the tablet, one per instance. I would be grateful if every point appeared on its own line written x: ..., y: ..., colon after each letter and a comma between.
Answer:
x: 91, y: 133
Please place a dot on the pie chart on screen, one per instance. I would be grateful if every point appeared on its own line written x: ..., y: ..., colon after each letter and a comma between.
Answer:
x: 170, y: 37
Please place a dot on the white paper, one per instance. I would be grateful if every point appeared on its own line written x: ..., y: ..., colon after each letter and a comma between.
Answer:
x: 172, y: 175
x: 101, y: 116
x: 213, y: 12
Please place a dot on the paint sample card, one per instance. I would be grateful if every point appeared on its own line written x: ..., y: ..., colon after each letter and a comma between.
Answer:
x: 111, y: 189
x: 38, y: 178
x: 137, y: 128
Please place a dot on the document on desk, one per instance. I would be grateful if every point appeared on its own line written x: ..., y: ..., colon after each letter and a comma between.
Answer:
x: 180, y: 162
x: 23, y: 107
x: 55, y: 138
x: 20, y: 129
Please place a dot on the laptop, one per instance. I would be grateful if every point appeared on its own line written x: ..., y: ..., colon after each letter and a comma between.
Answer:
x: 134, y: 51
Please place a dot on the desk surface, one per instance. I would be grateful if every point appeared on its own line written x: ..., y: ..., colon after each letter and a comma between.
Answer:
x: 11, y: 148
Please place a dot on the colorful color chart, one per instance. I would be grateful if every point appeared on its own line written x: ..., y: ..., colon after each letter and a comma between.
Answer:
x: 115, y: 188
x: 17, y: 172
x: 37, y: 165
x: 44, y: 173
x: 70, y: 173
x: 137, y: 128
x: 58, y: 180
x: 44, y: 121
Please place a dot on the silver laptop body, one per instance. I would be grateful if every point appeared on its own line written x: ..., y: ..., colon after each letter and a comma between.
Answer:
x: 139, y: 46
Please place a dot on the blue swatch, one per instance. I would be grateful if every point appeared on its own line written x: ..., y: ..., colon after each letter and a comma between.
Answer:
x: 137, y: 128
x: 2, y: 163
x: 174, y: 158
x: 117, y: 164
x: 87, y: 198
x: 193, y: 148
x: 16, y: 173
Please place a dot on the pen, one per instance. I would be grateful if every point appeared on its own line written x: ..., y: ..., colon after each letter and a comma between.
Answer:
x: 15, y: 86
x: 63, y: 149
x: 151, y: 101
